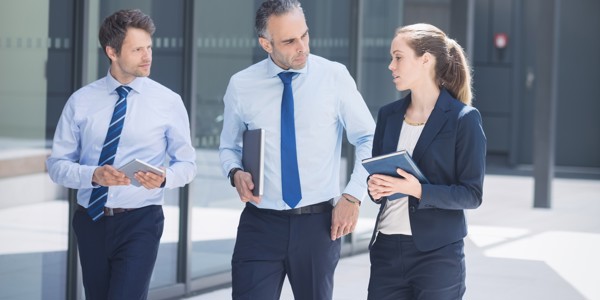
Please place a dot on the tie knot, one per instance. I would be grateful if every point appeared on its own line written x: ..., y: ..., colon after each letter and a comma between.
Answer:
x: 123, y: 91
x: 286, y: 77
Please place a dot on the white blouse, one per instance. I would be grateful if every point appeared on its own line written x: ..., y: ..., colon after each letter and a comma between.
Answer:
x: 394, y: 218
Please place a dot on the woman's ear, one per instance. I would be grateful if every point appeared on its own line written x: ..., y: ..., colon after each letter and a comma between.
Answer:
x: 426, y: 58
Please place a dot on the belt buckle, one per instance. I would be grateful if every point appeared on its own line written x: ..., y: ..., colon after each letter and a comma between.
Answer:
x: 108, y: 212
x: 304, y: 210
x: 296, y: 211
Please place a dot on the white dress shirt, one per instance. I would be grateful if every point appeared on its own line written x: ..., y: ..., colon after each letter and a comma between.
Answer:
x: 326, y: 101
x: 156, y: 125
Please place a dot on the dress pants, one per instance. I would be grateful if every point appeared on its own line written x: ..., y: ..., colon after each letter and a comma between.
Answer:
x: 399, y: 271
x: 270, y: 246
x: 118, y: 253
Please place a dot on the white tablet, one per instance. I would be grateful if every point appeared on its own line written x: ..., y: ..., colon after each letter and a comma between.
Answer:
x: 137, y: 165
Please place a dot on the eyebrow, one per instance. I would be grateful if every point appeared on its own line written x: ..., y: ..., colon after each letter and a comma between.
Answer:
x: 292, y: 39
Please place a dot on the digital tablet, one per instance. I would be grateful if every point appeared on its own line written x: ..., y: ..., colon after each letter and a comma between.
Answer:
x: 137, y: 165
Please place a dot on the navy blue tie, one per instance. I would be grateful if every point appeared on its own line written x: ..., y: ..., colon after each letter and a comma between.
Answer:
x: 290, y: 177
x: 109, y: 150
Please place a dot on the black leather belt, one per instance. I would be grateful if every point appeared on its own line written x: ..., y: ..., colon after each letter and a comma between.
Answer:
x: 108, y: 211
x: 325, y: 206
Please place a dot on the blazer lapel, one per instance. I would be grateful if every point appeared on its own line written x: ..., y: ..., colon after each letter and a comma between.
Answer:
x: 434, y: 124
x: 393, y: 126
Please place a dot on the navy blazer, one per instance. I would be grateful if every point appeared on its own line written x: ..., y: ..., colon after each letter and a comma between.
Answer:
x: 451, y: 153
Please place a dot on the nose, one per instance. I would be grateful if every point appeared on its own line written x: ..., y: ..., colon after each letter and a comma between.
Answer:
x: 391, y: 66
x: 302, y: 47
x: 147, y: 54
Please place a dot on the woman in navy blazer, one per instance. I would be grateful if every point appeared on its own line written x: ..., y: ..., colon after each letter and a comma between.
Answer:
x: 417, y: 245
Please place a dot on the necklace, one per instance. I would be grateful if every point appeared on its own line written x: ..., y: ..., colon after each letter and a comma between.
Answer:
x: 413, y: 124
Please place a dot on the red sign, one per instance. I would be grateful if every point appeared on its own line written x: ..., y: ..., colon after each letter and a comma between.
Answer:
x: 500, y: 40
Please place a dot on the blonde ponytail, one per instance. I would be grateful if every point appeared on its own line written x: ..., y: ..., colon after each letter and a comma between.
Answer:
x: 452, y: 69
x: 457, y: 74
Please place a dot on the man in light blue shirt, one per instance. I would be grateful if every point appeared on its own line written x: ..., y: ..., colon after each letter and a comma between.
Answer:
x: 119, y: 225
x: 275, y: 238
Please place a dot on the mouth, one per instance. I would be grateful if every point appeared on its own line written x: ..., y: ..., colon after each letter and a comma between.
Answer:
x: 302, y: 57
x: 299, y: 61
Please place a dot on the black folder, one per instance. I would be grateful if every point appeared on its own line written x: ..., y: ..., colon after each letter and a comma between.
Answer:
x: 253, y: 156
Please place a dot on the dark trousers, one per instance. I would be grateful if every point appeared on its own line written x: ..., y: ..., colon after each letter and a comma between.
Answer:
x: 118, y: 253
x: 400, y: 271
x: 270, y: 246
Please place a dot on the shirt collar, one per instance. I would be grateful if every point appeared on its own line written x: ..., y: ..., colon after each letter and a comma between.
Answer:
x: 112, y: 84
x: 273, y: 69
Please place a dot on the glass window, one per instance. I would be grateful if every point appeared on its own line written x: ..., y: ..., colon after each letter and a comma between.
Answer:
x: 165, y: 268
x: 380, y: 20
x: 222, y: 47
x: 35, y: 45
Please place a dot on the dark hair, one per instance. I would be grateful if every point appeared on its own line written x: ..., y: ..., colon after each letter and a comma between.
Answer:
x: 452, y: 70
x: 114, y: 27
x: 269, y: 8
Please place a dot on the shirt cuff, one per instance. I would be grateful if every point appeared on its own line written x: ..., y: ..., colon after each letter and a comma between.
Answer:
x: 359, y: 193
x: 87, y: 175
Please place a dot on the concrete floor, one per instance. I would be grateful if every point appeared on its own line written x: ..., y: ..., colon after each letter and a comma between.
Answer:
x: 513, y: 250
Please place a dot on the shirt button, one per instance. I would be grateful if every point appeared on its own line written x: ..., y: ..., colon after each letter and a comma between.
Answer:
x: 412, y: 209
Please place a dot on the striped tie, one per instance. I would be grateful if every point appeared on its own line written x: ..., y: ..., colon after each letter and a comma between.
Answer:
x: 109, y: 150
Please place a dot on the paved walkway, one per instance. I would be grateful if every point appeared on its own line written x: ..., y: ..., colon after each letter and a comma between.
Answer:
x: 513, y: 250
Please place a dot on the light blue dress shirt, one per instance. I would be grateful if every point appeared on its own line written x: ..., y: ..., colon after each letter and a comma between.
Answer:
x: 156, y: 125
x: 326, y: 101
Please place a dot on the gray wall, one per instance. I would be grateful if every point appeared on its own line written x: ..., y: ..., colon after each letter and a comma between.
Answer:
x: 507, y: 81
x: 578, y: 123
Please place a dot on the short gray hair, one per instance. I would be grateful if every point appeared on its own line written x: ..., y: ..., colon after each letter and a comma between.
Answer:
x: 269, y: 8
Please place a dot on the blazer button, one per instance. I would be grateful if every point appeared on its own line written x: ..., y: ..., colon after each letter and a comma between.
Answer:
x: 412, y: 209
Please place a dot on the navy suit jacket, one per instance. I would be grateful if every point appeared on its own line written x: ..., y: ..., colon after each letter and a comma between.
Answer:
x: 451, y: 153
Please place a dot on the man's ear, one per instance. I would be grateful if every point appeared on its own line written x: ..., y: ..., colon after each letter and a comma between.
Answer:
x: 265, y: 44
x: 111, y: 53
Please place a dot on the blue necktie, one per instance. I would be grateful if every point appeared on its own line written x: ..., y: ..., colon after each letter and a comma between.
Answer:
x: 109, y: 150
x: 290, y: 177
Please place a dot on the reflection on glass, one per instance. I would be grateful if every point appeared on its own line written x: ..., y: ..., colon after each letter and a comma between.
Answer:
x: 165, y: 271
x: 380, y: 19
x: 222, y: 47
x: 215, y: 215
x: 33, y: 210
x: 167, y: 41
x: 23, y: 86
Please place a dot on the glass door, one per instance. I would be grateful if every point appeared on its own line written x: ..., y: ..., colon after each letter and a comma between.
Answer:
x: 36, y: 47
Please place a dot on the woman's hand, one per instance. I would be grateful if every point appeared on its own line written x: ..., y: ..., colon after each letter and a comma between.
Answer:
x: 384, y: 185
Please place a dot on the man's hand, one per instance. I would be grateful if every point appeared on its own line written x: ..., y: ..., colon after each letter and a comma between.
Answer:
x: 150, y: 180
x: 344, y: 217
x: 244, y: 185
x: 109, y: 176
